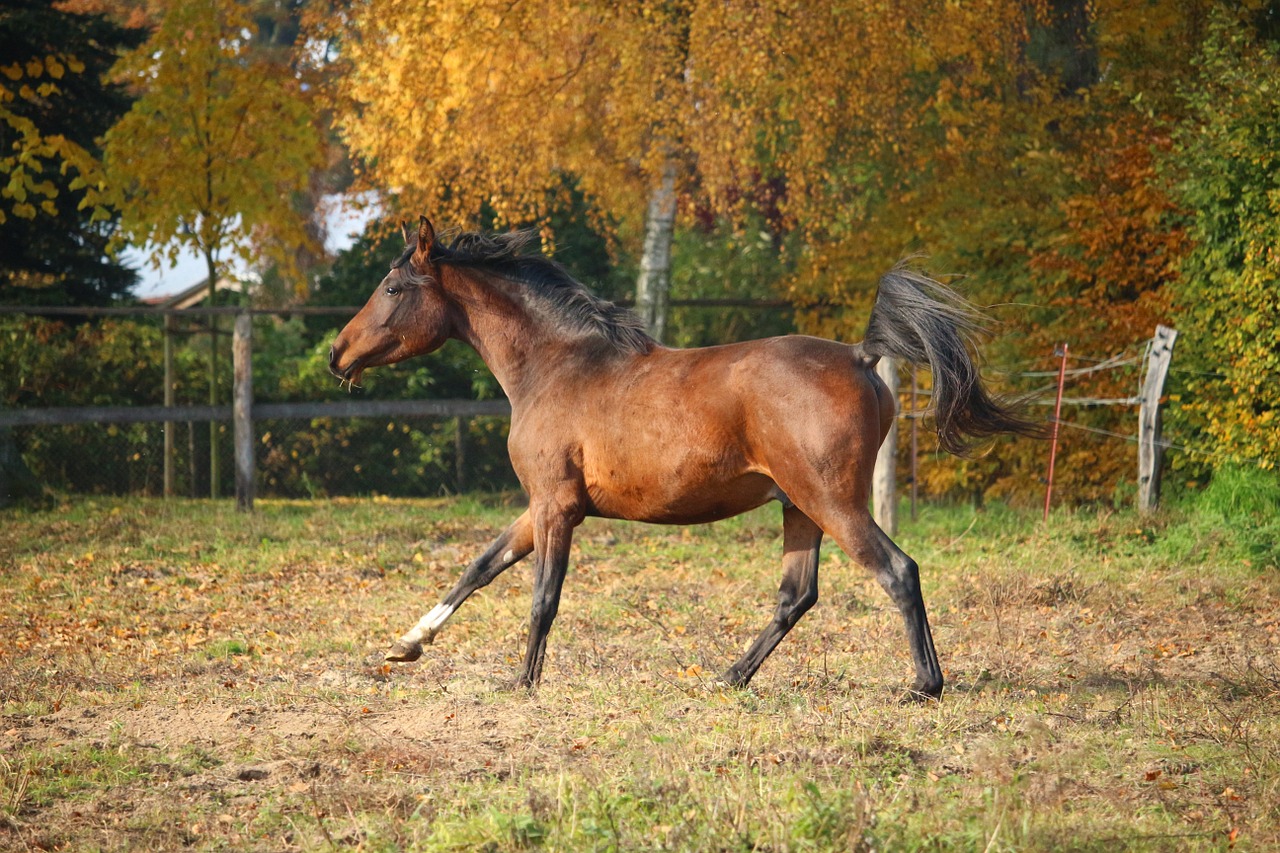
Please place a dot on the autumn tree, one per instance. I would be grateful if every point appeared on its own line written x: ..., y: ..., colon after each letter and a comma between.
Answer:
x: 217, y: 144
x: 865, y: 115
x: 1021, y: 145
x: 214, y: 150
x: 53, y: 107
x: 1227, y: 166
x: 462, y: 107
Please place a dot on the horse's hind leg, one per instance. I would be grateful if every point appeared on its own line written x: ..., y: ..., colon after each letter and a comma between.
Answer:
x: 515, y: 543
x: 899, y: 575
x: 798, y: 592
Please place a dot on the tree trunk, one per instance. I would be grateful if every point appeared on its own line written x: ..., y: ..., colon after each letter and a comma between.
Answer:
x: 653, y: 287
x: 213, y: 375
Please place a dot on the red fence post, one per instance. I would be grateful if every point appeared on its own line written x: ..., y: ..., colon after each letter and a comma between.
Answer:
x: 1053, y: 445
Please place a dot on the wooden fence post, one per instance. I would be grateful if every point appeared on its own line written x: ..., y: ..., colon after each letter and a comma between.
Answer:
x: 169, y: 426
x: 884, y: 483
x: 460, y: 453
x: 1150, y: 450
x: 242, y: 409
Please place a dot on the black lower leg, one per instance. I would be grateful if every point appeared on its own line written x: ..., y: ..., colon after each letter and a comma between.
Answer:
x: 902, y: 582
x: 797, y: 593
x: 552, y: 563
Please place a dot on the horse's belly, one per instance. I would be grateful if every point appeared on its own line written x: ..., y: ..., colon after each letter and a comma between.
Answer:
x: 688, y: 493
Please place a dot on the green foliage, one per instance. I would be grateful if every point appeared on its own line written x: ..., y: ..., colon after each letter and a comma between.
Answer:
x: 1228, y: 163
x: 120, y: 363
x: 109, y: 363
x: 1240, y: 491
x: 724, y: 262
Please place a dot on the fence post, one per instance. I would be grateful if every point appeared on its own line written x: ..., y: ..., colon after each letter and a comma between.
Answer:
x: 169, y: 426
x: 1053, y: 445
x: 242, y: 409
x: 460, y: 453
x: 884, y: 481
x: 1150, y: 450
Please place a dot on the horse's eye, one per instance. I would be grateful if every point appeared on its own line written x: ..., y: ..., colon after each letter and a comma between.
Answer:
x: 392, y: 290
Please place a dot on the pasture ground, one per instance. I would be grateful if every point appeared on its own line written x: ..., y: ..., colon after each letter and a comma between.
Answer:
x: 177, y: 675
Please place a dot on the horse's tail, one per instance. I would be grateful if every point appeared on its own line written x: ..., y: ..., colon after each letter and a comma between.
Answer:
x: 924, y: 322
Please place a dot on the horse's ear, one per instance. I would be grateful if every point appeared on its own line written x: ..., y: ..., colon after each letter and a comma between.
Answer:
x: 408, y: 235
x: 426, y: 235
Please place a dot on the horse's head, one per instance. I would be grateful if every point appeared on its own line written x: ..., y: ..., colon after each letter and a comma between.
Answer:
x: 406, y: 316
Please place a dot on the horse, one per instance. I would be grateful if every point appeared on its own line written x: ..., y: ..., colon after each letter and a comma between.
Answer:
x: 607, y: 422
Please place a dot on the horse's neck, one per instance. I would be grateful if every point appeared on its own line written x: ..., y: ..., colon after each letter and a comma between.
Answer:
x: 494, y: 319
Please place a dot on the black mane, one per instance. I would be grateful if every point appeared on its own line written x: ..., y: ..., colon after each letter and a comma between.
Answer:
x: 577, y: 309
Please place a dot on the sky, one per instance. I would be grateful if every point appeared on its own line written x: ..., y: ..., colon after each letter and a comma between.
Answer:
x: 344, y: 225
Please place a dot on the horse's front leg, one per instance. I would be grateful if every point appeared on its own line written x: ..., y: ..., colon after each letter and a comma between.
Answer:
x: 515, y: 543
x: 553, y: 534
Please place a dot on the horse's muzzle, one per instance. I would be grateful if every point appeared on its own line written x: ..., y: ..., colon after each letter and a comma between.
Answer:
x: 334, y: 357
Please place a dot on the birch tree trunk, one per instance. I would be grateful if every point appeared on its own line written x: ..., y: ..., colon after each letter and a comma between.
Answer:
x: 653, y: 287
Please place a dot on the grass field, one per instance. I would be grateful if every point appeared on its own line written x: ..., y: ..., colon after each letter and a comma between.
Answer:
x: 177, y: 675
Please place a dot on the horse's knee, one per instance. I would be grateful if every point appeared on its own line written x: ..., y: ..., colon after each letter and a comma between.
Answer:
x: 900, y: 578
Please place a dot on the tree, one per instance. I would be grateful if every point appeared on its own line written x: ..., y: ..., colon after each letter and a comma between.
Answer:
x: 1019, y: 144
x: 53, y: 107
x: 1227, y: 162
x: 215, y: 149
x: 217, y: 145
x: 459, y: 107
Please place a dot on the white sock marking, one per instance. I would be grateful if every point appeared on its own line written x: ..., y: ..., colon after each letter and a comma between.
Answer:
x: 428, y: 625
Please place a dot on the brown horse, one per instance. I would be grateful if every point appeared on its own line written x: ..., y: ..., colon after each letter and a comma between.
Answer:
x: 607, y: 422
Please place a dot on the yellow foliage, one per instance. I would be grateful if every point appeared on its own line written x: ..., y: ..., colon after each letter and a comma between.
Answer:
x: 219, y: 141
x: 30, y: 151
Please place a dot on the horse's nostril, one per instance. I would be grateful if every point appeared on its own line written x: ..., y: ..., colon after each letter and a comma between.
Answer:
x: 333, y: 359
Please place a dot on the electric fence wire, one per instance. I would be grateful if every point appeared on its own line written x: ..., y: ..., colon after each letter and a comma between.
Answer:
x: 1097, y: 365
x: 1162, y: 442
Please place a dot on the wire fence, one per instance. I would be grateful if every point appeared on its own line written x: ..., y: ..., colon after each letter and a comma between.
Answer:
x: 83, y: 406
x: 87, y: 364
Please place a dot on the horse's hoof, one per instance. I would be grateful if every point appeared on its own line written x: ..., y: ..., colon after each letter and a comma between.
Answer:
x: 405, y: 652
x: 519, y: 684
x: 719, y: 686
x: 916, y: 696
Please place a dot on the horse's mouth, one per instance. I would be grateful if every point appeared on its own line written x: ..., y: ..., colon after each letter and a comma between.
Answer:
x: 350, y: 374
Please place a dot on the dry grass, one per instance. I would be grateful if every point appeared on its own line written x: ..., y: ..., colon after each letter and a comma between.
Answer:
x: 177, y: 675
